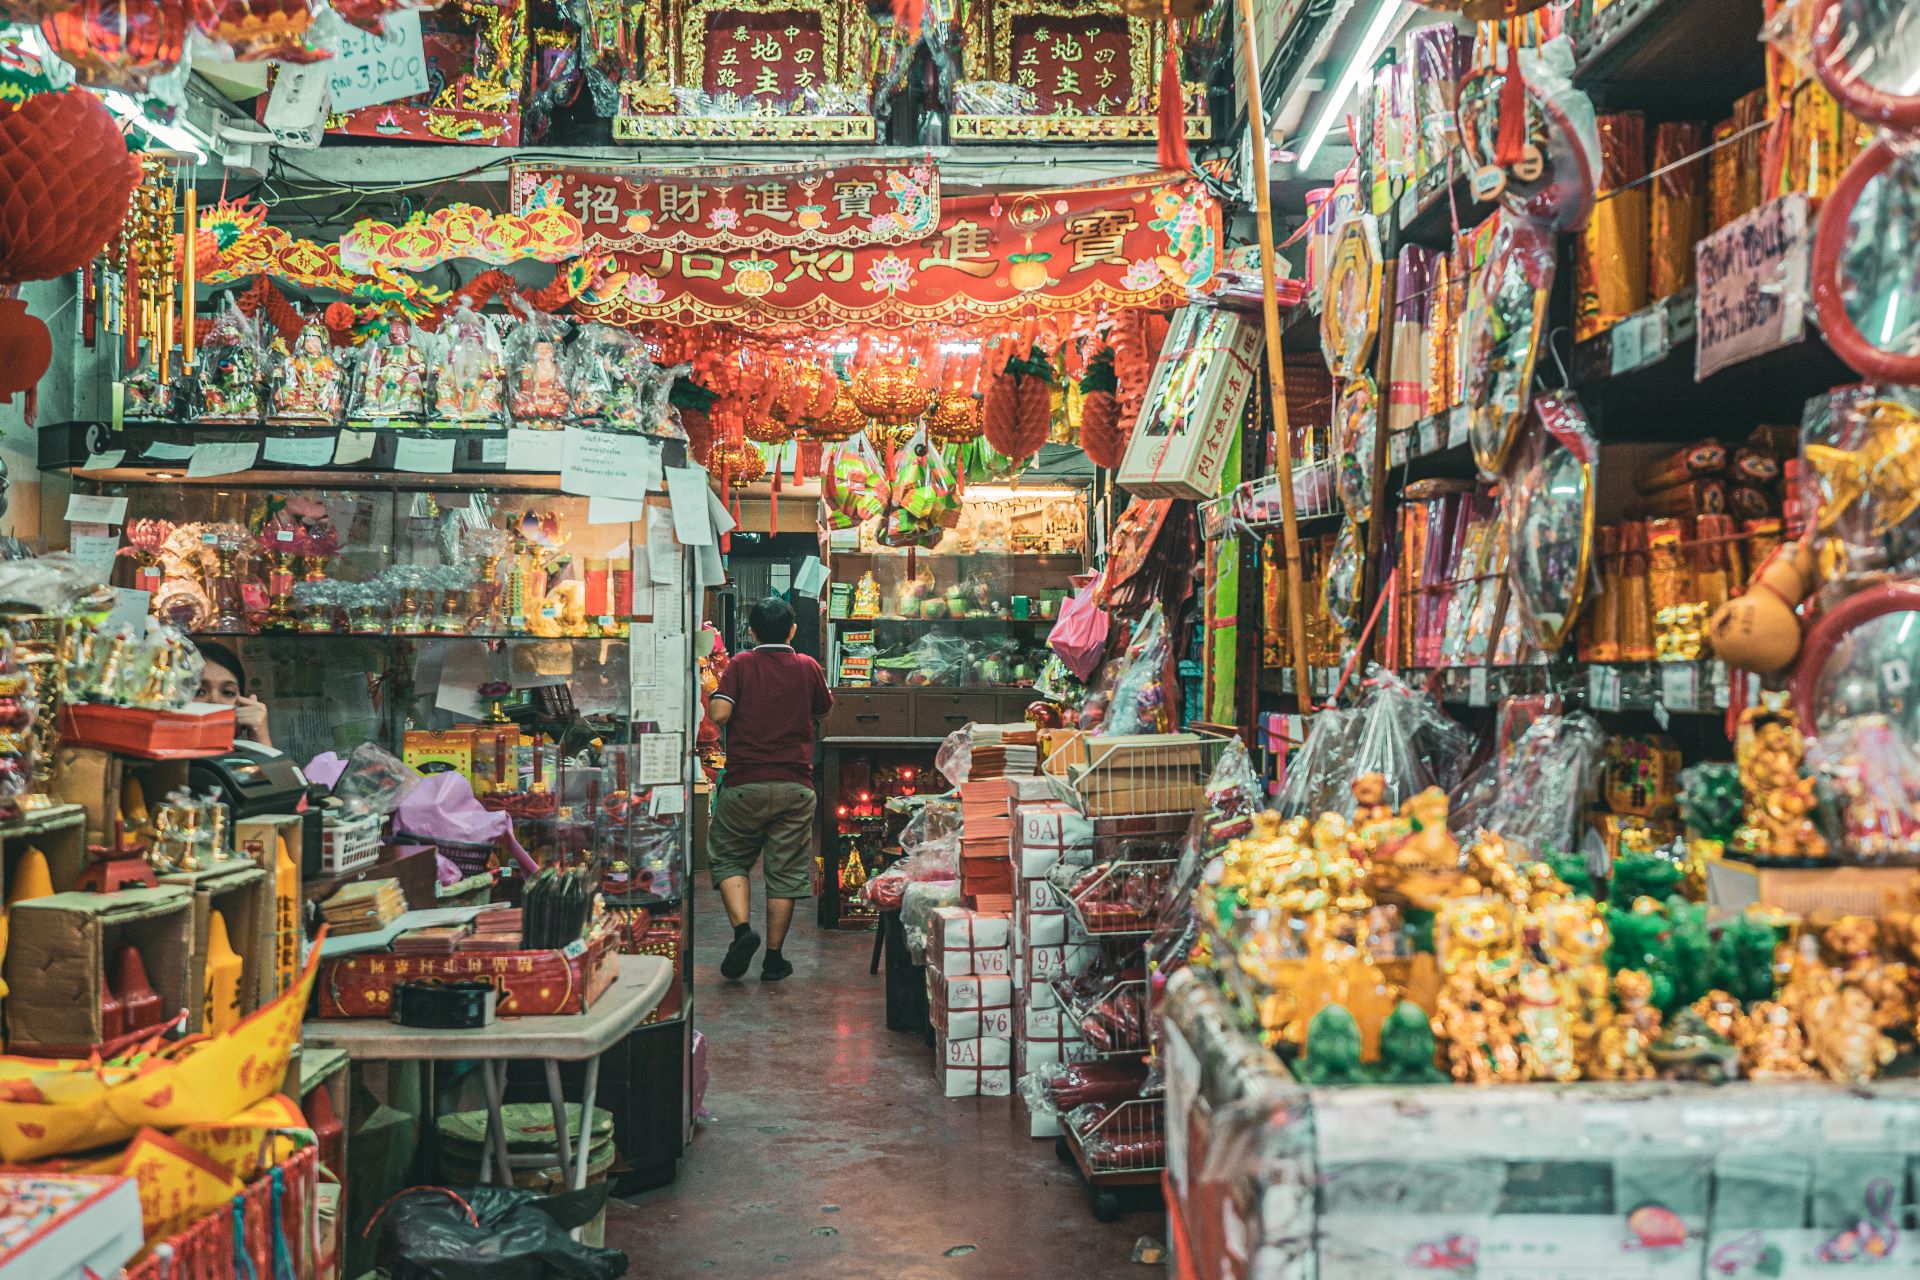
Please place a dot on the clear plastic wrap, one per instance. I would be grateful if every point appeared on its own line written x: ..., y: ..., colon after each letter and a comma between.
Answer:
x: 1317, y: 775
x: 954, y: 759
x: 917, y: 905
x: 539, y: 383
x: 1871, y: 779
x: 614, y: 382
x: 231, y: 362
x: 152, y: 665
x: 1140, y: 703
x: 393, y: 376
x: 852, y: 483
x: 52, y: 583
x: 470, y: 369
x: 309, y: 383
x: 1541, y: 789
x: 1069, y: 1085
x: 930, y: 842
x: 374, y: 781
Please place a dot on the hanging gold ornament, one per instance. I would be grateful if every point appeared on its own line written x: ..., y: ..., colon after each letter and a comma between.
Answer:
x: 768, y: 431
x: 890, y: 393
x: 955, y: 419
x: 804, y: 384
x: 841, y: 421
x: 739, y: 461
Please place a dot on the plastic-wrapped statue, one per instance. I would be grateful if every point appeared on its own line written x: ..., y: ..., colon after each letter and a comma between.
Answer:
x: 229, y: 375
x: 471, y: 370
x: 393, y: 382
x: 308, y: 387
x: 540, y: 391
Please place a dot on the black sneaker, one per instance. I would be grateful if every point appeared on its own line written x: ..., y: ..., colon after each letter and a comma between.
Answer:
x: 772, y: 970
x: 734, y: 967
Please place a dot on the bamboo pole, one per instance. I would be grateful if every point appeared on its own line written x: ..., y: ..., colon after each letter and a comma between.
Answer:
x: 1276, y: 369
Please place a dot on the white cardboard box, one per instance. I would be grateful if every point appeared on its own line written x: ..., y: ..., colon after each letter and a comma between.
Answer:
x: 1193, y: 404
x: 965, y: 942
x: 977, y: 1067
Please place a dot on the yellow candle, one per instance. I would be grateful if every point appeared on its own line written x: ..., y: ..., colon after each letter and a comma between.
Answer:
x: 223, y: 977
x: 186, y: 292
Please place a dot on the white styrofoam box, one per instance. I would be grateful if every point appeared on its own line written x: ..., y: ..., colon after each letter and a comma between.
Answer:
x: 964, y: 942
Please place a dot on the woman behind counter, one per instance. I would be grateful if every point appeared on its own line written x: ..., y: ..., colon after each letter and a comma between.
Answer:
x: 224, y: 680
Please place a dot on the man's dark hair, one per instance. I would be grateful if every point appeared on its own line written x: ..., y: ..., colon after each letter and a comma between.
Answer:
x: 770, y: 621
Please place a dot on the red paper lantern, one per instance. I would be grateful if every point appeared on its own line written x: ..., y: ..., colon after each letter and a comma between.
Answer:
x: 955, y: 419
x: 1100, y: 429
x: 66, y: 182
x: 113, y: 44
x: 841, y: 421
x: 26, y: 349
x: 890, y: 393
x: 260, y: 30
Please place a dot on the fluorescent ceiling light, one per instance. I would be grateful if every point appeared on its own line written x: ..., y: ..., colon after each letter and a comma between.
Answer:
x: 1357, y: 67
x: 181, y: 136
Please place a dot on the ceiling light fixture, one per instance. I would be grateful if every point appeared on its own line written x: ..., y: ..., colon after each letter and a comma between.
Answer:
x: 1358, y: 65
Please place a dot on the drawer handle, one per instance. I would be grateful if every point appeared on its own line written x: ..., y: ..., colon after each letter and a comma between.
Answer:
x: 866, y: 715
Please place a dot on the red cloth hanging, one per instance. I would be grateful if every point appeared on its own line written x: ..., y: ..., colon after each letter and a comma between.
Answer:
x: 1173, y: 106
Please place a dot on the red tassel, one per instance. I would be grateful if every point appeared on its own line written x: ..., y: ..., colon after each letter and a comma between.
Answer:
x: 1173, y: 107
x: 773, y: 503
x: 1511, y: 146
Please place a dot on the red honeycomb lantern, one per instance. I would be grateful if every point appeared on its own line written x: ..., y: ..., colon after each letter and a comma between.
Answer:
x: 66, y: 183
x: 26, y: 349
x: 115, y: 44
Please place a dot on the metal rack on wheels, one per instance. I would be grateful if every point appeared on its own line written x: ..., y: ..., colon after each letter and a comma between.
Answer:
x: 1115, y: 1148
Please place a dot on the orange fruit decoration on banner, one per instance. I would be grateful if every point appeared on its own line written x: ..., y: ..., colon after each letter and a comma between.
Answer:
x: 66, y: 182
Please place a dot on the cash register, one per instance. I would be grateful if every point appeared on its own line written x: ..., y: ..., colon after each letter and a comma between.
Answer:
x: 253, y: 780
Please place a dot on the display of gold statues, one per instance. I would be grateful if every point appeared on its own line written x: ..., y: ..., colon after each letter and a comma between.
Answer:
x: 1780, y: 802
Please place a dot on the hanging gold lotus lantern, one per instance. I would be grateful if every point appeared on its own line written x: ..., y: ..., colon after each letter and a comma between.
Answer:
x: 955, y: 419
x: 804, y: 385
x: 880, y: 433
x: 840, y: 422
x: 890, y: 393
x: 768, y: 431
x: 739, y: 461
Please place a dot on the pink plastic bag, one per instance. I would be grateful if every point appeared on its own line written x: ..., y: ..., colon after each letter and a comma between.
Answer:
x: 442, y: 807
x: 1080, y: 634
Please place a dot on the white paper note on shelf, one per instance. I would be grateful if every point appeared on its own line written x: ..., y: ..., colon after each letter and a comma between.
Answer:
x: 615, y: 510
x: 96, y: 550
x: 660, y: 758
x: 160, y: 451
x: 129, y: 610
x: 663, y: 552
x: 352, y: 447
x: 493, y: 451
x: 603, y: 464
x: 298, y: 451
x: 723, y: 521
x: 466, y: 668
x: 667, y: 801
x: 812, y: 576
x: 427, y: 454
x: 687, y: 487
x: 223, y: 459
x: 104, y: 461
x: 93, y: 508
x: 708, y: 567
x: 530, y: 449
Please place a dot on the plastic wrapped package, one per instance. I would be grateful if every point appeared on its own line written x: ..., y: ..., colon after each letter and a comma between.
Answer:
x: 492, y: 1233
x: 1396, y: 732
x: 539, y: 391
x: 954, y: 759
x: 393, y: 377
x: 1121, y: 1138
x: 1140, y: 703
x: 933, y: 659
x: 374, y: 780
x: 53, y: 583
x: 1870, y: 773
x: 1079, y: 636
x: 1070, y: 1085
x: 232, y: 361
x: 612, y: 381
x: 852, y: 483
x: 930, y: 842
x: 888, y: 890
x: 1319, y: 771
x: 917, y: 905
x: 470, y: 369
x: 1540, y: 790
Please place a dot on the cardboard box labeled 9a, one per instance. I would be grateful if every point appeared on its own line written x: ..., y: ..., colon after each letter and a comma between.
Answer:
x: 1192, y: 409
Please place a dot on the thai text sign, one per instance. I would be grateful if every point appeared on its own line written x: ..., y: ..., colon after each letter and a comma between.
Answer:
x: 1133, y: 242
x: 730, y: 206
x: 1752, y: 277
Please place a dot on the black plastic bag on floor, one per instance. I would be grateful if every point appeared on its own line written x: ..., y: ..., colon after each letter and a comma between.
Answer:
x: 493, y: 1233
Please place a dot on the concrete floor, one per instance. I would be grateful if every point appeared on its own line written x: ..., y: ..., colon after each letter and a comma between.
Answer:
x: 830, y: 1151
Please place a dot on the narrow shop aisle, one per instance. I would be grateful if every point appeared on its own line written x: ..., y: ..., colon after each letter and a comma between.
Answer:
x: 831, y: 1152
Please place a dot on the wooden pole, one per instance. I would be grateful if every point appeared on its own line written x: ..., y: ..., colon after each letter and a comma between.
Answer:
x: 1371, y: 584
x: 1276, y: 369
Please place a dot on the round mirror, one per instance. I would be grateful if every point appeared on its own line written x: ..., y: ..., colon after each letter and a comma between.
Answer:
x: 1867, y: 53
x: 1556, y: 176
x: 1866, y: 265
x: 1356, y: 421
x: 1862, y: 659
x: 1501, y: 324
x: 1549, y: 519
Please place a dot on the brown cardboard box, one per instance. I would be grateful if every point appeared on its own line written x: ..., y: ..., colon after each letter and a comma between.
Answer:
x: 243, y: 894
x: 92, y: 779
x: 258, y: 838
x: 57, y: 953
x: 60, y: 833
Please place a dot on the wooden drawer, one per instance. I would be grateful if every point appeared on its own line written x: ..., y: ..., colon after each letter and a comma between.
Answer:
x: 862, y: 713
x: 1010, y: 708
x: 935, y: 715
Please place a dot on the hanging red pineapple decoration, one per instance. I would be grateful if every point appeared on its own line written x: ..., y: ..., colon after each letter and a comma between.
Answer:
x: 1100, y: 433
x: 1018, y: 406
x: 117, y: 45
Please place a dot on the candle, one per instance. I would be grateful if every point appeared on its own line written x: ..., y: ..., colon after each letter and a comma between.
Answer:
x: 186, y: 290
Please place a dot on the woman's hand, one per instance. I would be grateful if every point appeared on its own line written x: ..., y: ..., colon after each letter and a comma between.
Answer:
x: 250, y: 719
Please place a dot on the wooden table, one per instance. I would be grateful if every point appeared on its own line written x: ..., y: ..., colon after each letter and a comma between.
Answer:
x: 639, y: 985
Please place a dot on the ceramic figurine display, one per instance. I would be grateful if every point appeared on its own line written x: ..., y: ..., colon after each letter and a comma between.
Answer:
x: 229, y: 369
x: 308, y: 386
x: 540, y: 390
x: 1407, y: 1048
x: 393, y: 376
x: 1780, y: 802
x: 1772, y: 1045
x: 470, y: 370
x: 1626, y: 1042
x: 1333, y: 1049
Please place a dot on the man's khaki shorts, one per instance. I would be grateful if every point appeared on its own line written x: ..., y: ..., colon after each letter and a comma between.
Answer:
x: 770, y: 820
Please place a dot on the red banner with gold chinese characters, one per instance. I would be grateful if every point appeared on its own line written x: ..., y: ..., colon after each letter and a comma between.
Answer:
x: 1130, y: 242
x: 735, y: 206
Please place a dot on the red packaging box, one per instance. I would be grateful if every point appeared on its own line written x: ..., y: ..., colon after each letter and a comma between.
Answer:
x: 531, y: 983
x: 201, y: 729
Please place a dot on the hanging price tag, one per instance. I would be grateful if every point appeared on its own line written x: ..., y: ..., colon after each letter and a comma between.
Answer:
x: 1476, y: 686
x: 1624, y: 340
x: 1680, y: 686
x: 1430, y: 436
x: 368, y: 69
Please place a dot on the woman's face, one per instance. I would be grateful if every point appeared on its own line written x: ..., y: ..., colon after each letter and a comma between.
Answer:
x: 217, y: 684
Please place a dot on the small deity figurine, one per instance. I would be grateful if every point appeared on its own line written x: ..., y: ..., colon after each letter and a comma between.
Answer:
x: 230, y: 370
x: 1551, y: 1044
x: 866, y: 597
x: 1407, y: 1048
x: 1333, y: 1049
x: 1373, y: 817
x: 1722, y: 1014
x: 541, y: 392
x: 308, y: 388
x: 1843, y: 1039
x: 1853, y: 941
x: 1476, y: 1029
x: 1772, y: 1045
x: 394, y: 384
x: 1769, y: 750
x: 1621, y: 1050
x: 469, y: 385
x: 1423, y: 865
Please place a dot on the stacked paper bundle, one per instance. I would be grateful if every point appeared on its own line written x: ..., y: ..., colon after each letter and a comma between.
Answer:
x: 1046, y: 942
x: 986, y: 833
x: 1002, y: 750
x: 970, y: 994
x: 364, y: 907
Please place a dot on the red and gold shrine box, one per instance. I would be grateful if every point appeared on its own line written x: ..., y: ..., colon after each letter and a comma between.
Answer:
x: 662, y: 938
x: 531, y: 982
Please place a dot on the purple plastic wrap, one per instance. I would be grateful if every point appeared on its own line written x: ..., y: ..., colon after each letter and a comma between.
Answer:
x: 443, y: 808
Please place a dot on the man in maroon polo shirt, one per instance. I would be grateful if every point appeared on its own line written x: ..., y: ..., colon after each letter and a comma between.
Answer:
x: 768, y: 699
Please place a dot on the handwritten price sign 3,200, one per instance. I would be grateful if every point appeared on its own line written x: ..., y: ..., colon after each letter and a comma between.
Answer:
x: 368, y: 69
